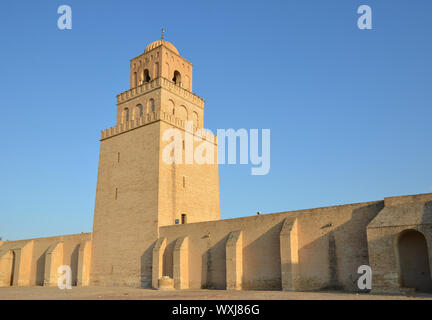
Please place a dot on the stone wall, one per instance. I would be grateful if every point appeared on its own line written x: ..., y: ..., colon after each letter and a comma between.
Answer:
x: 35, y: 261
x: 126, y: 208
x: 137, y: 192
x: 300, y: 250
x: 400, y: 214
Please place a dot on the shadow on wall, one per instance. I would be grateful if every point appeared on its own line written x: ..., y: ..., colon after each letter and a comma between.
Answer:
x: 74, y: 264
x: 40, y: 269
x: 146, y: 267
x: 41, y: 262
x: 328, y: 257
x: 331, y: 261
x: 168, y: 262
x: 213, y: 273
x: 262, y: 262
x: 427, y: 213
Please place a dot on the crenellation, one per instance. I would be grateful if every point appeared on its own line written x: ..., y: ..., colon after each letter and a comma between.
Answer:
x: 154, y: 117
x: 159, y: 83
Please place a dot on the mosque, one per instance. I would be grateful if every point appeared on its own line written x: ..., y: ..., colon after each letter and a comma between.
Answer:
x: 157, y: 225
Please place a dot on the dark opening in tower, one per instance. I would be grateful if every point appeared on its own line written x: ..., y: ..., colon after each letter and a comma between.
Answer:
x: 177, y: 78
x: 146, y: 76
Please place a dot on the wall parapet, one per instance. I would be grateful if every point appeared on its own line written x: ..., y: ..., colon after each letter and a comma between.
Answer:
x: 159, y: 83
x: 154, y: 117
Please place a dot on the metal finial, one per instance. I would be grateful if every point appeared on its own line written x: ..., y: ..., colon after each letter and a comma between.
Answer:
x: 163, y: 33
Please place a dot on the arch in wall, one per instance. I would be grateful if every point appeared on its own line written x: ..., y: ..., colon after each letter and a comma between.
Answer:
x: 167, y: 72
x: 156, y: 70
x: 134, y: 80
x: 181, y: 112
x: 177, y: 78
x: 187, y: 84
x: 195, y: 119
x: 125, y: 115
x: 413, y: 261
x: 146, y: 77
x: 151, y: 106
x: 167, y: 268
x: 170, y: 107
x: 138, y: 111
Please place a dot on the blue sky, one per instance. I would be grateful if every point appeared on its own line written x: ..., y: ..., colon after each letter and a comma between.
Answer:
x: 349, y: 110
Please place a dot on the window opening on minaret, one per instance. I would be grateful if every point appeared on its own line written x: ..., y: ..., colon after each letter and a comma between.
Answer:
x: 177, y: 78
x: 146, y: 76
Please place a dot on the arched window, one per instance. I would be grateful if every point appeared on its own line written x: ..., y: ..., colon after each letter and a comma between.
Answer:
x: 134, y: 79
x: 170, y: 107
x: 181, y: 113
x: 167, y: 71
x: 146, y: 76
x: 177, y: 78
x: 156, y: 70
x: 125, y: 116
x: 151, y: 105
x: 187, y: 84
x: 138, y: 111
x: 195, y: 119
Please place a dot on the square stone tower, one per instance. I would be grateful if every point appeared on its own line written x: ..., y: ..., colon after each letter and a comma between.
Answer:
x: 137, y: 190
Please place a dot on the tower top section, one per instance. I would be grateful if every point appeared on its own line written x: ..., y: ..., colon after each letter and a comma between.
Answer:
x: 161, y: 59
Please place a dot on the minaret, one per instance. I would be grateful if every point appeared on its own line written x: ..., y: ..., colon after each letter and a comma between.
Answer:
x: 137, y: 192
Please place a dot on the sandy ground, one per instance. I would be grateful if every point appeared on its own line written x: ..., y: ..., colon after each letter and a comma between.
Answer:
x: 123, y: 293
